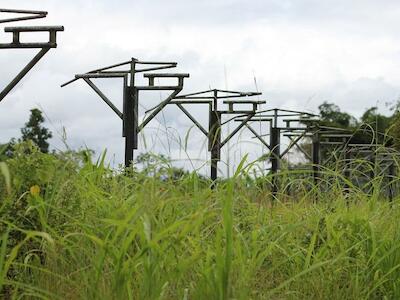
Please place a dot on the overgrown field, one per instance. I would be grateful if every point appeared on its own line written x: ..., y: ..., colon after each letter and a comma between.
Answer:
x: 71, y: 229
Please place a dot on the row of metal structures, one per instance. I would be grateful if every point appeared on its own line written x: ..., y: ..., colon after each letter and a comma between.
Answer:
x: 292, y: 125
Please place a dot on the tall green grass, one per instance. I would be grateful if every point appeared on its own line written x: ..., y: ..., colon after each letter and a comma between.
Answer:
x: 96, y: 233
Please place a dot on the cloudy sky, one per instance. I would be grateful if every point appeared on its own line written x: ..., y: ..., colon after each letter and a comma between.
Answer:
x: 298, y: 53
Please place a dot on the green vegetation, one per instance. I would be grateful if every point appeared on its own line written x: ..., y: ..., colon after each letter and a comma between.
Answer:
x: 73, y: 229
x: 372, y: 127
x: 33, y: 131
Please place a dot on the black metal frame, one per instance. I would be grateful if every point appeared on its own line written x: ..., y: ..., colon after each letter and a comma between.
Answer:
x: 17, y: 44
x: 274, y: 117
x: 371, y: 153
x: 130, y: 114
x: 213, y: 134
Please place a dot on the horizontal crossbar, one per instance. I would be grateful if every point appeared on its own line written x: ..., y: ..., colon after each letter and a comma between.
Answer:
x: 190, y: 102
x: 234, y: 112
x: 100, y: 75
x: 244, y: 101
x: 255, y: 120
x: 28, y: 45
x: 158, y: 88
x: 299, y: 120
x: 16, y: 31
x: 34, y: 28
x: 165, y: 75
x: 336, y: 135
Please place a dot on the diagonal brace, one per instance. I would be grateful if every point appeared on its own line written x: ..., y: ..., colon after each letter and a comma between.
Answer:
x: 192, y: 119
x: 158, y: 109
x: 32, y: 14
x: 258, y: 136
x: 301, y: 149
x: 293, y: 142
x: 104, y: 97
x: 243, y: 123
x: 23, y: 72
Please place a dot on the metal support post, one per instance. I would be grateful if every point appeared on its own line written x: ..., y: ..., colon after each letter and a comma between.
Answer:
x: 347, y: 165
x: 274, y: 158
x: 214, y: 142
x: 129, y: 126
x: 316, y: 157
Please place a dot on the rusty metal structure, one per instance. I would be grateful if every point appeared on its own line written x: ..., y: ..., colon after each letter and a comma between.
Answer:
x: 279, y: 123
x: 381, y: 160
x: 16, y: 43
x: 320, y: 136
x: 224, y: 107
x: 304, y: 128
x: 130, y: 114
x: 301, y: 128
x: 214, y: 98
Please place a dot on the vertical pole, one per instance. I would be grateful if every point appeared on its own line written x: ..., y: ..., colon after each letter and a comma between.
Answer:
x: 212, y: 142
x: 214, y: 166
x: 347, y: 165
x: 135, y: 99
x: 275, y: 153
x: 316, y: 156
x: 130, y: 115
x: 214, y: 137
x: 128, y: 124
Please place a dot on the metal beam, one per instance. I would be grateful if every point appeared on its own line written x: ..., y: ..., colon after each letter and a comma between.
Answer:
x: 236, y: 130
x: 22, y: 73
x: 104, y: 97
x: 192, y: 119
x: 34, y: 14
x: 259, y: 137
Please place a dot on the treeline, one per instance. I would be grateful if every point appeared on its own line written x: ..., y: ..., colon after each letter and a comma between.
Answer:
x: 37, y: 136
x: 371, y: 127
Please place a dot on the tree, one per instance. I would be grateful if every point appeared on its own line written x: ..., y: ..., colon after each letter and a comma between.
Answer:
x: 35, y: 132
x: 331, y: 115
x: 370, y: 128
x: 378, y: 123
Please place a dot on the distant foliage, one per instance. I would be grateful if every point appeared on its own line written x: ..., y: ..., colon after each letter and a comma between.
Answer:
x: 371, y: 127
x: 36, y: 132
x: 331, y: 115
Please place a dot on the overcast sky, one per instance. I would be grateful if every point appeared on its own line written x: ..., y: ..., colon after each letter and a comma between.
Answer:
x: 298, y: 53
